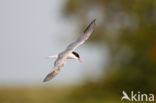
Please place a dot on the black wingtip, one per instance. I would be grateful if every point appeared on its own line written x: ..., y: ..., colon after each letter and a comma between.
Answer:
x: 90, y: 26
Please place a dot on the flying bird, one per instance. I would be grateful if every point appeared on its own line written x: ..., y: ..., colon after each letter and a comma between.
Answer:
x: 69, y: 52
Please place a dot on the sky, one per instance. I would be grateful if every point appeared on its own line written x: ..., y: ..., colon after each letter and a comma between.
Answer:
x: 31, y: 30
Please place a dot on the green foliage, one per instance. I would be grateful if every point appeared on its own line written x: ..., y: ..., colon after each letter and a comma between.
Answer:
x: 34, y: 95
x: 128, y: 29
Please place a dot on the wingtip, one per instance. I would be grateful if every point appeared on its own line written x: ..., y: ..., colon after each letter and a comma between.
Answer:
x: 44, y: 80
x: 90, y: 26
x: 50, y: 76
x: 94, y: 20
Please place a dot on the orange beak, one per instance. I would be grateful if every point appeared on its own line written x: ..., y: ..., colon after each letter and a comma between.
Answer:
x: 80, y: 60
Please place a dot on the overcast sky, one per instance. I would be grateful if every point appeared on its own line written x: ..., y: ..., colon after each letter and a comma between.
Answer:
x: 30, y: 30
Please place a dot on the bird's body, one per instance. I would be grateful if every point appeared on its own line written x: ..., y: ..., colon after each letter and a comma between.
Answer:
x: 72, y: 55
x: 69, y: 52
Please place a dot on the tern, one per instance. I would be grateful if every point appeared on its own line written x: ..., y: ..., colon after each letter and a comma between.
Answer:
x: 69, y: 52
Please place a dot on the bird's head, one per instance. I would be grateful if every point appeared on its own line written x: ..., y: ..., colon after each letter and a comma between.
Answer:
x: 77, y: 56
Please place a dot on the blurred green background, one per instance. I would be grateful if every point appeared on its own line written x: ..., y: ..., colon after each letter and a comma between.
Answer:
x: 127, y: 28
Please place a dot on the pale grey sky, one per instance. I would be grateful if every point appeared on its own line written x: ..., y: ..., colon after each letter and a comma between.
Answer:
x: 33, y: 29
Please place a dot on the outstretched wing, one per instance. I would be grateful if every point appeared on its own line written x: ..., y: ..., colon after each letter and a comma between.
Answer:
x: 83, y: 37
x: 52, y: 74
x: 59, y: 64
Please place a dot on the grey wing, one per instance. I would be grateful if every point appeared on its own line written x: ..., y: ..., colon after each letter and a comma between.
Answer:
x: 52, y: 74
x: 83, y: 37
x: 59, y: 64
